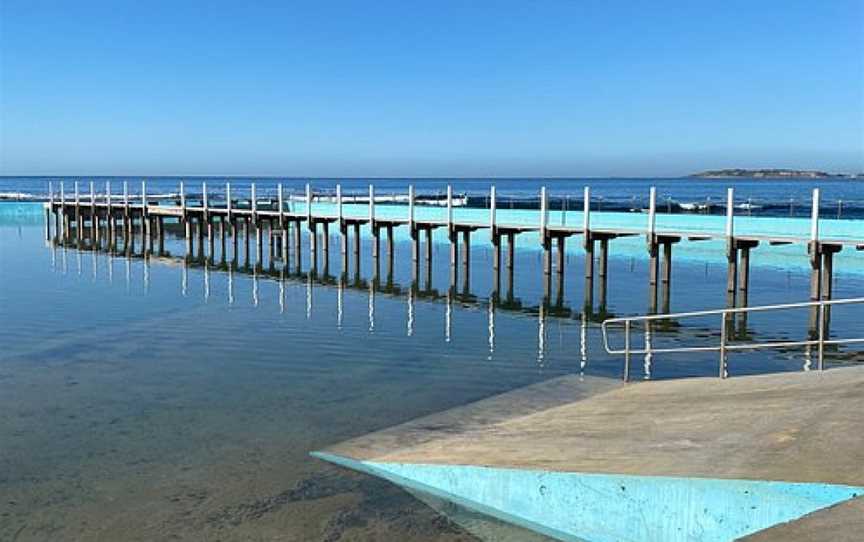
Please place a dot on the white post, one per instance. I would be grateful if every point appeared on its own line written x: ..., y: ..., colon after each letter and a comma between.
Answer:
x: 77, y: 196
x: 281, y: 212
x: 652, y: 215
x: 126, y: 195
x: 228, y: 200
x: 204, y: 200
x: 371, y: 204
x: 144, y: 197
x: 586, y: 218
x: 586, y: 211
x: 62, y: 194
x: 50, y: 195
x: 308, y: 204
x: 254, y: 202
x: 339, y: 203
x: 449, y: 208
x: 108, y: 194
x: 814, y: 219
x: 93, y: 196
x: 411, y: 207
x: 730, y: 212
x: 492, y: 209
x: 543, y: 211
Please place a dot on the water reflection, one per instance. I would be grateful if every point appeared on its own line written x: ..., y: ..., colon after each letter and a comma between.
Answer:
x: 281, y: 266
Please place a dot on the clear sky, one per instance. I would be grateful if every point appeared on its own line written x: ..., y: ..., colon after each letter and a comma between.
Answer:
x: 437, y: 88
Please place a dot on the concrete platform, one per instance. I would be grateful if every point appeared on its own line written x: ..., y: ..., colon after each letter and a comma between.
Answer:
x: 756, y: 451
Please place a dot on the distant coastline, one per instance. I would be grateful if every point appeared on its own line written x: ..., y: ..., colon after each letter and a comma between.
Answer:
x: 772, y: 174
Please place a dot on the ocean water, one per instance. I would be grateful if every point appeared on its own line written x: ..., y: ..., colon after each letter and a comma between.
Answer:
x: 175, y: 398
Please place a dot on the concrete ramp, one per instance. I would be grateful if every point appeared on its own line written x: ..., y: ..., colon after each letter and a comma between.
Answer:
x: 695, y: 459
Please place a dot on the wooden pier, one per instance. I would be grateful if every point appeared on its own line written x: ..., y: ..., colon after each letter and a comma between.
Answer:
x: 105, y: 219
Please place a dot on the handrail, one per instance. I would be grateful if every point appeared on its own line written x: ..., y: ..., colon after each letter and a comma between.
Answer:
x: 724, y: 347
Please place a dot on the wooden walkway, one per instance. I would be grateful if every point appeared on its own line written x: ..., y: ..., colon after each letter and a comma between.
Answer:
x: 105, y: 217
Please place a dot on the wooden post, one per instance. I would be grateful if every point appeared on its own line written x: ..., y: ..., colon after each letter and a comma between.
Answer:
x: 589, y: 259
x: 744, y: 275
x: 604, y: 256
x: 466, y: 250
x: 429, y: 247
x: 325, y: 241
x: 390, y: 245
x: 376, y: 239
x: 731, y: 275
x: 562, y: 255
x: 828, y: 272
x: 271, y: 242
x: 511, y: 251
x: 666, y: 276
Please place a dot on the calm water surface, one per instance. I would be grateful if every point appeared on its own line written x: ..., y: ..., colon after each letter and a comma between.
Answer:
x: 151, y: 399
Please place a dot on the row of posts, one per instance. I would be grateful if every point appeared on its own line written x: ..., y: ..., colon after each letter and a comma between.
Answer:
x: 737, y: 248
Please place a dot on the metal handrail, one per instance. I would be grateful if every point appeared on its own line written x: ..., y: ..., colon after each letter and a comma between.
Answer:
x: 724, y: 347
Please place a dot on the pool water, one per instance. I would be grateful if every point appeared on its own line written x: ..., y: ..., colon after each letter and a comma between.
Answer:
x: 164, y: 399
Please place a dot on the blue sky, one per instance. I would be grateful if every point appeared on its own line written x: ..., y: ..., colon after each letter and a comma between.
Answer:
x: 529, y: 88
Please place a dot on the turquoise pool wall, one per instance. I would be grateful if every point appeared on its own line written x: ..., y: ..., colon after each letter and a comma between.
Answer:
x: 614, y: 508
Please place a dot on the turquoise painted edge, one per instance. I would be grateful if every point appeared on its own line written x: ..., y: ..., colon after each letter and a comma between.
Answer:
x: 371, y: 469
x: 848, y: 263
x: 780, y: 501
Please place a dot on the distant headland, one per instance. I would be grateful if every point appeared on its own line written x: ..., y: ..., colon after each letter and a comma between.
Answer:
x: 770, y: 173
